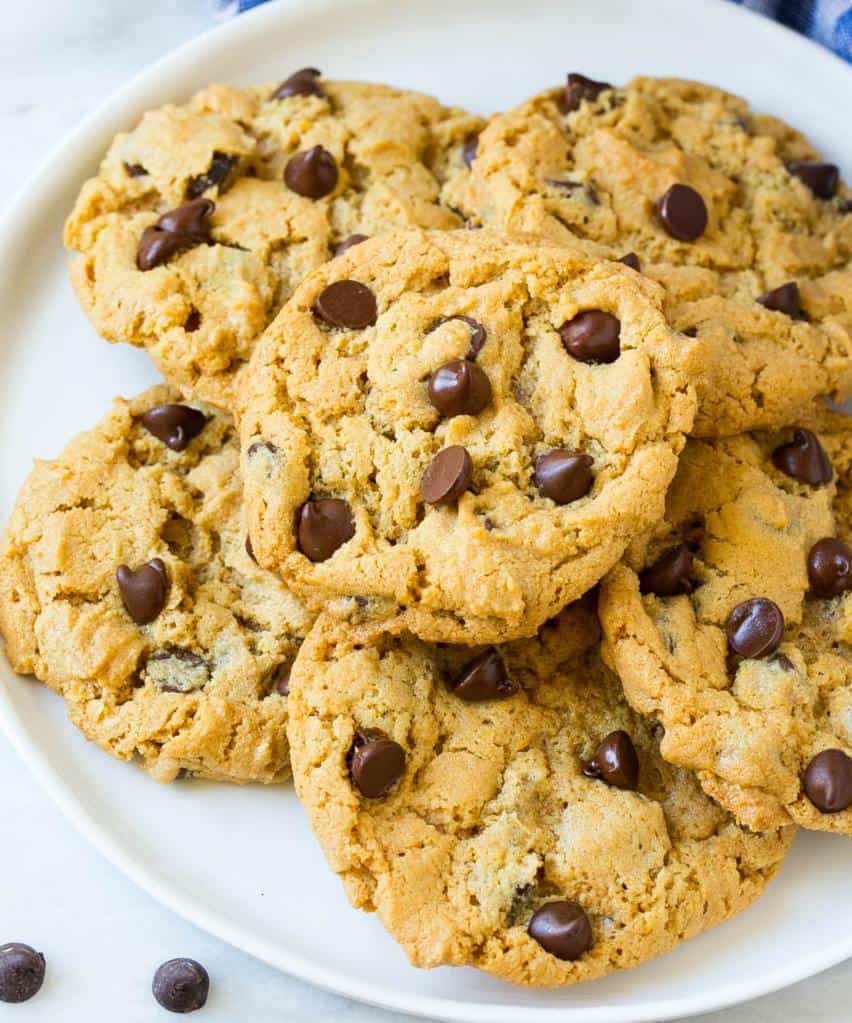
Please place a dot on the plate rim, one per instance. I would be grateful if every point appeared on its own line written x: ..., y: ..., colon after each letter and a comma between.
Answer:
x: 14, y: 217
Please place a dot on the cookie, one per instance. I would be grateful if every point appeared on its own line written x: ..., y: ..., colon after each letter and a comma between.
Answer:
x: 202, y: 220
x: 732, y: 211
x: 732, y: 625
x: 460, y: 428
x: 126, y: 586
x: 503, y: 808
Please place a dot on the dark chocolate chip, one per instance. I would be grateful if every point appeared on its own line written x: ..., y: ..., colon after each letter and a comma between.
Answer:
x: 669, y: 575
x: 828, y: 781
x: 323, y: 527
x: 144, y: 590
x: 181, y: 985
x: 469, y: 149
x: 311, y: 173
x: 376, y: 764
x: 615, y: 762
x: 350, y: 243
x: 803, y: 459
x: 176, y: 669
x: 177, y: 231
x: 447, y: 476
x: 755, y: 628
x: 683, y: 213
x: 192, y: 322
x: 478, y: 334
x: 218, y: 173
x: 484, y: 678
x: 783, y: 662
x: 783, y: 299
x: 347, y: 304
x: 21, y: 972
x: 459, y: 388
x: 135, y: 170
x: 830, y: 567
x: 250, y: 550
x: 174, y: 425
x: 632, y: 260
x: 304, y: 82
x: 578, y: 88
x: 592, y: 336
x: 279, y: 679
x: 564, y: 476
x: 821, y: 178
x: 562, y: 929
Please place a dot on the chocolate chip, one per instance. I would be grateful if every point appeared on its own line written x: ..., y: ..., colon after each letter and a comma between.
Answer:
x: 459, y: 388
x: 578, y: 88
x: 301, y: 83
x: 683, y: 213
x: 177, y: 670
x: 279, y: 679
x: 250, y: 550
x: 563, y: 476
x: 447, y: 476
x: 174, y: 425
x: 323, y: 527
x: 755, y: 628
x: 21, y: 972
x: 218, y: 173
x: 562, y: 929
x: 669, y: 575
x: 376, y: 764
x: 783, y: 662
x: 828, y: 781
x: 478, y: 335
x: 260, y: 445
x: 803, y: 459
x: 135, y: 170
x: 830, y: 567
x: 484, y: 678
x: 565, y: 184
x: 469, y: 149
x: 350, y: 243
x: 592, y: 336
x: 632, y: 260
x: 615, y: 762
x: 181, y: 985
x: 821, y: 178
x: 144, y: 590
x: 192, y: 322
x: 784, y: 299
x: 347, y: 304
x: 177, y: 231
x: 312, y: 173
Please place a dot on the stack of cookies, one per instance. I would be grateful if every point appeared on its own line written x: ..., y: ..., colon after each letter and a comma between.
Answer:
x: 492, y: 491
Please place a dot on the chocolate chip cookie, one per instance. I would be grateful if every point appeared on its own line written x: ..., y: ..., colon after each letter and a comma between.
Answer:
x: 732, y: 625
x: 201, y: 221
x: 127, y: 586
x: 734, y: 212
x: 460, y: 428
x: 503, y: 808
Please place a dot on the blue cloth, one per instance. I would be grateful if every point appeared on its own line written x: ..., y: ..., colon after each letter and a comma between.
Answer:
x: 827, y: 21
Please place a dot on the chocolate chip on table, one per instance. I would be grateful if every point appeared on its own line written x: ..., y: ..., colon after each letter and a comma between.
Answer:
x: 218, y: 173
x: 784, y: 299
x: 615, y: 762
x: 144, y: 590
x: 755, y: 628
x: 828, y: 781
x: 177, y: 231
x: 683, y: 213
x: 632, y: 260
x: 324, y: 526
x: 304, y: 82
x: 376, y: 764
x: 311, y: 173
x: 830, y: 567
x: 347, y: 304
x: 669, y: 575
x: 350, y: 243
x: 592, y: 336
x: 459, y: 388
x: 821, y: 178
x: 578, y: 88
x: 174, y: 425
x: 484, y: 678
x: 447, y: 476
x: 478, y: 335
x: 21, y: 972
x: 135, y: 170
x: 803, y: 459
x: 564, y: 476
x: 469, y: 149
x: 562, y: 929
x: 181, y: 985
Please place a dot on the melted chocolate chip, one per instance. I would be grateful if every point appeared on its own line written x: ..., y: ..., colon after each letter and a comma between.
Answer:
x: 683, y: 213
x: 323, y: 527
x: 484, y: 678
x: 304, y: 82
x: 478, y: 334
x: 447, y: 476
x: 181, y: 985
x: 21, y: 972
x: 174, y: 425
x: 669, y: 575
x: 459, y: 388
x: 828, y: 781
x: 632, y: 260
x: 218, y: 173
x: 592, y: 336
x: 784, y: 299
x: 469, y: 149
x: 803, y: 459
x: 615, y: 762
x: 562, y: 929
x: 350, y: 243
x: 755, y: 628
x: 311, y: 173
x: 564, y: 476
x: 821, y: 178
x: 192, y: 322
x: 376, y: 764
x: 144, y: 590
x: 830, y: 567
x: 177, y: 231
x: 579, y: 88
x: 347, y: 304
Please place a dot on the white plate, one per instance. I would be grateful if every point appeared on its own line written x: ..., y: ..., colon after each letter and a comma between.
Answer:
x: 241, y: 863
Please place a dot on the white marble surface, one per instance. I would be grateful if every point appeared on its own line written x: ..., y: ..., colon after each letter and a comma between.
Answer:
x: 103, y: 937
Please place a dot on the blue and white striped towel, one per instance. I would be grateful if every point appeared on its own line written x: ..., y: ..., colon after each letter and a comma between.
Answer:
x: 827, y: 21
